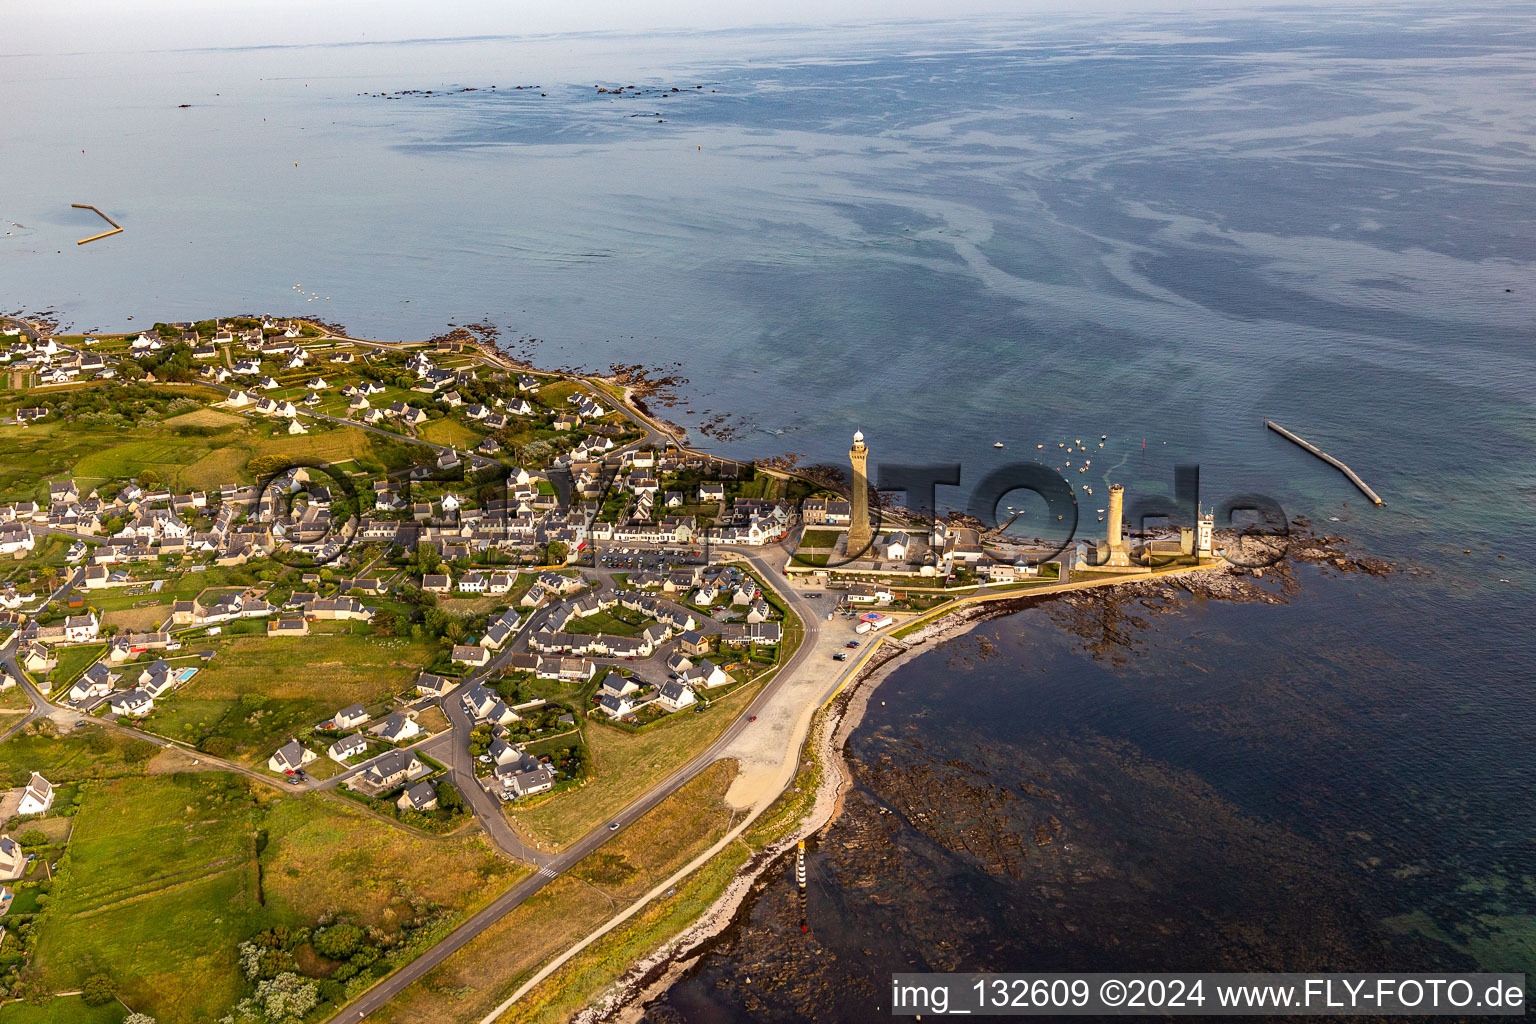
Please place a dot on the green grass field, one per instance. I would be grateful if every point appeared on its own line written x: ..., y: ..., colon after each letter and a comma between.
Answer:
x: 62, y: 1010
x: 820, y: 538
x: 451, y: 432
x: 608, y: 622
x: 49, y: 551
x: 167, y: 917
x: 72, y: 662
x: 258, y: 692
x: 165, y: 875
x: 92, y: 455
x: 90, y: 753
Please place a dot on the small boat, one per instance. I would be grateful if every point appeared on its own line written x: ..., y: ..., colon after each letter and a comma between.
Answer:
x: 1101, y: 519
x: 997, y: 444
x: 1039, y: 446
x: 1103, y: 437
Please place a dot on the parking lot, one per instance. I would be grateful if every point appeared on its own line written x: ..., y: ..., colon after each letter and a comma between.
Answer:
x: 635, y: 559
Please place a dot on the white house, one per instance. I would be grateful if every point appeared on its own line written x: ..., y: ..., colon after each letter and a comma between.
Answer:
x: 471, y: 655
x: 37, y: 797
x: 291, y: 756
x: 348, y: 747
x: 350, y: 718
x: 397, y: 728
x: 429, y: 685
x: 134, y: 703
x: 16, y: 540
x: 81, y: 627
x: 13, y: 862
x: 707, y: 674
x: 616, y: 706
x: 675, y: 696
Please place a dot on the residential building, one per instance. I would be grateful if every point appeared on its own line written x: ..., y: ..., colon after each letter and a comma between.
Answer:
x: 37, y: 797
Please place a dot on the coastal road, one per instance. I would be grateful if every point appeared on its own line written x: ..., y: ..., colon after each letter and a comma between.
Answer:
x: 551, y: 867
x: 28, y: 330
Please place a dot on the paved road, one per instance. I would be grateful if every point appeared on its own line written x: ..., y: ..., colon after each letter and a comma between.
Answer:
x: 31, y: 332
x: 550, y: 867
x: 40, y: 705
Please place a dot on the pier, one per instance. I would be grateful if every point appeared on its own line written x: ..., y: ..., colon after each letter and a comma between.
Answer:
x: 116, y: 227
x: 1315, y: 450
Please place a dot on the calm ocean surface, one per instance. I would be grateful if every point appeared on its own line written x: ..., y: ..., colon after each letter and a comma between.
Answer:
x: 950, y: 234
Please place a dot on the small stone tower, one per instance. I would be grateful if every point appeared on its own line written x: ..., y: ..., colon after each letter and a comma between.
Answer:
x: 1205, y: 528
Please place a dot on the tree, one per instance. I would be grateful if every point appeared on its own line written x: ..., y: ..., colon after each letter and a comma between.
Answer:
x: 267, y: 465
x: 479, y: 743
x: 338, y: 942
x: 140, y: 750
x: 283, y: 998
x: 426, y: 559
x: 99, y: 990
x: 448, y: 798
x: 33, y: 837
x: 218, y: 746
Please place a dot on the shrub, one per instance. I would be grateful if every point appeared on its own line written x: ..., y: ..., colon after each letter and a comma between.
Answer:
x: 267, y: 465
x: 218, y: 746
x: 99, y: 990
x: 338, y: 942
x: 140, y: 750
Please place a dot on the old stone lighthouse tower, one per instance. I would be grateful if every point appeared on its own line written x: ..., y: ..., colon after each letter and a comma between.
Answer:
x: 859, y: 534
x: 1115, y: 529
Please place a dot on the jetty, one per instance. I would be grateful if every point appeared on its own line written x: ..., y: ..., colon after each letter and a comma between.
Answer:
x: 116, y: 227
x: 1315, y: 450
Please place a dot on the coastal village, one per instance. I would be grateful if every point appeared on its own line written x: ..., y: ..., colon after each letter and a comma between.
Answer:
x: 449, y: 590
